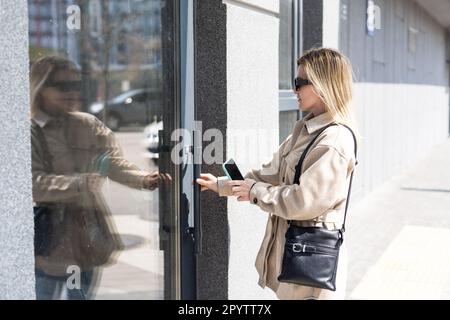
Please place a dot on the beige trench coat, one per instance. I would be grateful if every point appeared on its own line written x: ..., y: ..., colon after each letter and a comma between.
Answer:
x: 319, y: 200
x: 75, y: 143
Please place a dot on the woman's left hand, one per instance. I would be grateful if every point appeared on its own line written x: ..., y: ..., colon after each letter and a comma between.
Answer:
x: 241, y: 188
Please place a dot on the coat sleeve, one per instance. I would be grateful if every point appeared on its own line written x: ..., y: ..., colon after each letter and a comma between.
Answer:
x: 268, y: 173
x: 322, y: 185
x: 119, y: 169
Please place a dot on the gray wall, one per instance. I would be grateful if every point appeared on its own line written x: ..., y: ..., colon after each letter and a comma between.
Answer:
x: 312, y: 23
x: 448, y: 68
x: 16, y: 218
x: 385, y: 58
x: 211, y: 108
x: 401, y: 98
x: 447, y: 56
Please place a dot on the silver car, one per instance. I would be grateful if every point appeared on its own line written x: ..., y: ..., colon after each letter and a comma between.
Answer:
x: 133, y: 107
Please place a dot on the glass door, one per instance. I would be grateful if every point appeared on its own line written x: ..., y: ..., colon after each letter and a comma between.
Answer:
x: 113, y: 207
x: 191, y: 156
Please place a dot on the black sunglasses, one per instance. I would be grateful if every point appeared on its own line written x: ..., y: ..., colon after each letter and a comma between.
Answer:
x: 65, y: 86
x: 299, y: 82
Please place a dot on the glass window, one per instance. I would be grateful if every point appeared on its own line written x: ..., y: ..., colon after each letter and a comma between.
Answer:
x: 286, y: 44
x: 287, y: 123
x: 104, y: 217
x: 289, y: 48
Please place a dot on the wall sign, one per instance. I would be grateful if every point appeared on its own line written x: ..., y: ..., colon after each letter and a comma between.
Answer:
x: 373, y: 21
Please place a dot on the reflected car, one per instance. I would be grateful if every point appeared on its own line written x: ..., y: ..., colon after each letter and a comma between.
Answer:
x: 151, y: 140
x: 133, y: 107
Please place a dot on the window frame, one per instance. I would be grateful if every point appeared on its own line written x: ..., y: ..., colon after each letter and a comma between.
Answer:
x: 287, y: 99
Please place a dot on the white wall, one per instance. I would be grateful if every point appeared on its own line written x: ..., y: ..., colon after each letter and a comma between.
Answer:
x: 399, y: 123
x: 252, y: 98
x: 330, y: 25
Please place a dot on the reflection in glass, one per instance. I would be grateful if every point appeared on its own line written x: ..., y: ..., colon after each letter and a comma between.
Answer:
x: 97, y: 110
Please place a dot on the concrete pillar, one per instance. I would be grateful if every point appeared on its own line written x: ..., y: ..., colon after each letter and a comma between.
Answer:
x: 16, y: 218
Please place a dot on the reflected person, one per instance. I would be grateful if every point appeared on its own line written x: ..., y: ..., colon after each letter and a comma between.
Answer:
x: 72, y: 154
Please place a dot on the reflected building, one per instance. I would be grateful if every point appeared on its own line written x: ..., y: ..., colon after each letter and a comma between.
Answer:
x: 48, y: 30
x: 118, y: 44
x: 131, y: 26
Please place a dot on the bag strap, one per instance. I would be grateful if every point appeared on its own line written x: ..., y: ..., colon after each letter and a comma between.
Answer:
x: 298, y: 167
x: 43, y: 142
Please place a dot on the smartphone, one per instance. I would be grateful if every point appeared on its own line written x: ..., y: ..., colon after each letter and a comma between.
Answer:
x: 232, y: 171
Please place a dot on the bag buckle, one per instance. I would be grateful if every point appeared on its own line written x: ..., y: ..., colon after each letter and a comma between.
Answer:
x: 298, y: 247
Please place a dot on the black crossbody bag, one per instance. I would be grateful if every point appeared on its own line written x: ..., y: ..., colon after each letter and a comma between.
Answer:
x: 43, y: 222
x: 311, y: 253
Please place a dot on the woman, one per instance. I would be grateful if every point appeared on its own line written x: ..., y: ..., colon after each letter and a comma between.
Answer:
x: 72, y: 154
x: 324, y: 89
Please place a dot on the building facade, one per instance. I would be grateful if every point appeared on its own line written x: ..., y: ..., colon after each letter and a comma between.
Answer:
x: 223, y: 70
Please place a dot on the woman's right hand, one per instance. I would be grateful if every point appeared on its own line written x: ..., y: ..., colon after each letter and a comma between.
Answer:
x: 155, y: 179
x: 207, y: 182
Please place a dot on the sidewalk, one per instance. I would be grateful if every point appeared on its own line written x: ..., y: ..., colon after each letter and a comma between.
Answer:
x: 399, y: 235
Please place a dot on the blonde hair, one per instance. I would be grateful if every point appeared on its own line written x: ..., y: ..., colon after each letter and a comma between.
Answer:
x: 41, y: 71
x: 331, y: 75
